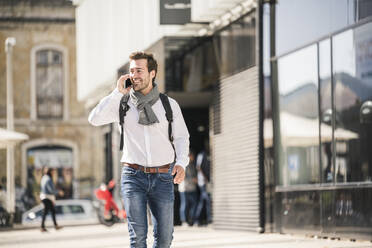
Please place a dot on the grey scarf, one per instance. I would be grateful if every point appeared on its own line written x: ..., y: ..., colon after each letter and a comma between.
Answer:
x: 144, y: 103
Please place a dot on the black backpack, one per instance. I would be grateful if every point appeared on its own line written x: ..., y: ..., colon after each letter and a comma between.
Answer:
x: 124, y: 107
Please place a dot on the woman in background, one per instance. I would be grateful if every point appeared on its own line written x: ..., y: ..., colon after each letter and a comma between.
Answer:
x: 48, y: 196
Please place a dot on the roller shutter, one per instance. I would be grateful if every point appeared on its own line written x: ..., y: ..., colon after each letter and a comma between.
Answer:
x: 235, y: 152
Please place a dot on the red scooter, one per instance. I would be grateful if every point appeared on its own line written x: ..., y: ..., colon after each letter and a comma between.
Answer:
x: 107, y: 209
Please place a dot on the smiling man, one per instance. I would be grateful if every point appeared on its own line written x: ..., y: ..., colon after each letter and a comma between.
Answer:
x: 150, y: 156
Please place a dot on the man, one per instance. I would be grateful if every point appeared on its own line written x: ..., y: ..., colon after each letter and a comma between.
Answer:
x: 149, y: 160
x: 203, y: 168
x: 188, y: 192
x: 48, y: 196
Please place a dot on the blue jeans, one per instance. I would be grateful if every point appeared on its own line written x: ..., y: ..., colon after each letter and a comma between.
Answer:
x: 204, y: 197
x: 139, y: 189
x: 188, y: 205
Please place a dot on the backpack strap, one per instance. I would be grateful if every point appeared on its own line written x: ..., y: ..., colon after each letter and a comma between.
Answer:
x: 123, y: 109
x: 168, y: 113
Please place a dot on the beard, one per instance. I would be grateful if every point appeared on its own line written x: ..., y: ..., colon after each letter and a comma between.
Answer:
x: 140, y: 84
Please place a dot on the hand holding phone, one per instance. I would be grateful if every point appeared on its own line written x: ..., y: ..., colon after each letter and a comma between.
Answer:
x: 128, y: 83
x: 123, y: 83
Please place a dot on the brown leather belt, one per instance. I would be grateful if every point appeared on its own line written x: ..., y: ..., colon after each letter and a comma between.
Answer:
x: 160, y: 169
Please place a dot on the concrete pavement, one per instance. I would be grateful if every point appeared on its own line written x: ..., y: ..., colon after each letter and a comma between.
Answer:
x: 94, y: 236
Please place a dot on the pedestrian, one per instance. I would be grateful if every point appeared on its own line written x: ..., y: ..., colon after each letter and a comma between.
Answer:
x: 203, y: 168
x: 188, y: 192
x: 150, y: 159
x: 48, y: 196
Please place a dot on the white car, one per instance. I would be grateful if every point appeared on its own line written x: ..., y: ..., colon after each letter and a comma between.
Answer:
x: 68, y: 212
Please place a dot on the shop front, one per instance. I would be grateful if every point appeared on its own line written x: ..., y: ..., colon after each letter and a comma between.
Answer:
x: 321, y: 115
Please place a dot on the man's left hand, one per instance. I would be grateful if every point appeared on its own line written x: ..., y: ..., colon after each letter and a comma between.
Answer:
x: 180, y: 174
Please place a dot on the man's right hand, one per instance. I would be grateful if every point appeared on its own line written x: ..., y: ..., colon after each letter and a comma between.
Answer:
x: 121, y: 84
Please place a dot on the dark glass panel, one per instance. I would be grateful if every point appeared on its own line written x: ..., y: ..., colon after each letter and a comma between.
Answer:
x: 237, y: 46
x: 364, y: 9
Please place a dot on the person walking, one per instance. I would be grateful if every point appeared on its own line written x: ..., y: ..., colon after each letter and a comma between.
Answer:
x: 203, y: 168
x: 150, y: 157
x: 188, y: 192
x: 48, y: 196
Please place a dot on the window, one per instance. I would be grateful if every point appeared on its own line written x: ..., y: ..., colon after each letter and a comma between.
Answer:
x: 237, y: 41
x: 296, y: 25
x: 364, y: 9
x: 201, y: 62
x: 59, y: 210
x: 49, y: 84
x: 326, y: 131
x: 72, y: 209
x: 299, y: 123
x: 39, y: 213
x: 76, y: 209
x: 352, y: 77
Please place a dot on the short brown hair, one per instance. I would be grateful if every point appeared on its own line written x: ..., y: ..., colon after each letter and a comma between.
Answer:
x: 152, y: 64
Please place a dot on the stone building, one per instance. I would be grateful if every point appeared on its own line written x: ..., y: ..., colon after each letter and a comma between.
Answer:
x: 45, y: 100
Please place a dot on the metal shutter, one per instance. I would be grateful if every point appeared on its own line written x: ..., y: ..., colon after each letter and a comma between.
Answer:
x: 235, y: 154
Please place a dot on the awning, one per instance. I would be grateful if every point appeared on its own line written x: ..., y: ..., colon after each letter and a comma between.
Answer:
x: 11, y: 137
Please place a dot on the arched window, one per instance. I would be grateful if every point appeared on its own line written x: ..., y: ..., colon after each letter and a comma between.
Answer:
x: 49, y: 84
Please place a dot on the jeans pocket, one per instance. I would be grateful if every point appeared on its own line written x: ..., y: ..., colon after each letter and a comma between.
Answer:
x: 127, y: 171
x: 166, y: 177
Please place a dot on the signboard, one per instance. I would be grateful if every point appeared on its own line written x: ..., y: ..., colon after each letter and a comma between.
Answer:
x: 175, y: 12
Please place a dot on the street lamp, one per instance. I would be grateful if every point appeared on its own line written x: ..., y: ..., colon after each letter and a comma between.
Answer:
x: 9, y: 43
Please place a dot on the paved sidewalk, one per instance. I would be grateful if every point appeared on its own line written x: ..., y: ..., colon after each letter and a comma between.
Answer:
x: 95, y: 236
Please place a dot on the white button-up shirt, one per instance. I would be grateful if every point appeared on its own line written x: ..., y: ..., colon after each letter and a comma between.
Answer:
x: 146, y: 145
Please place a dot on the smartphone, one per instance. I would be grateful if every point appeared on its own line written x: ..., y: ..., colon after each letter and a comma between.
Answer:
x: 128, y: 83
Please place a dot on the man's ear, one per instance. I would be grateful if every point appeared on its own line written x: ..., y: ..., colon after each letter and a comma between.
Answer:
x: 152, y: 73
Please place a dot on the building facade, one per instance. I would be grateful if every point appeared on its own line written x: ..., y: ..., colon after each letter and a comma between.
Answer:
x: 281, y: 96
x: 203, y: 63
x: 224, y: 62
x: 318, y: 78
x: 45, y: 102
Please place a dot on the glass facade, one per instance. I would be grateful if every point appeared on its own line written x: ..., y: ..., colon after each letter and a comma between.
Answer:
x: 352, y: 76
x: 337, y: 212
x: 200, y: 63
x: 325, y: 91
x: 296, y: 24
x: 322, y: 116
x: 299, y: 122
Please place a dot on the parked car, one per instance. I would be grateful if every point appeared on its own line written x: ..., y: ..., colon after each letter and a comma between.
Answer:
x: 68, y: 212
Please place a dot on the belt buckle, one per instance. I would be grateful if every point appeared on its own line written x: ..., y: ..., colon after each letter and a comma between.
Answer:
x: 145, y: 170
